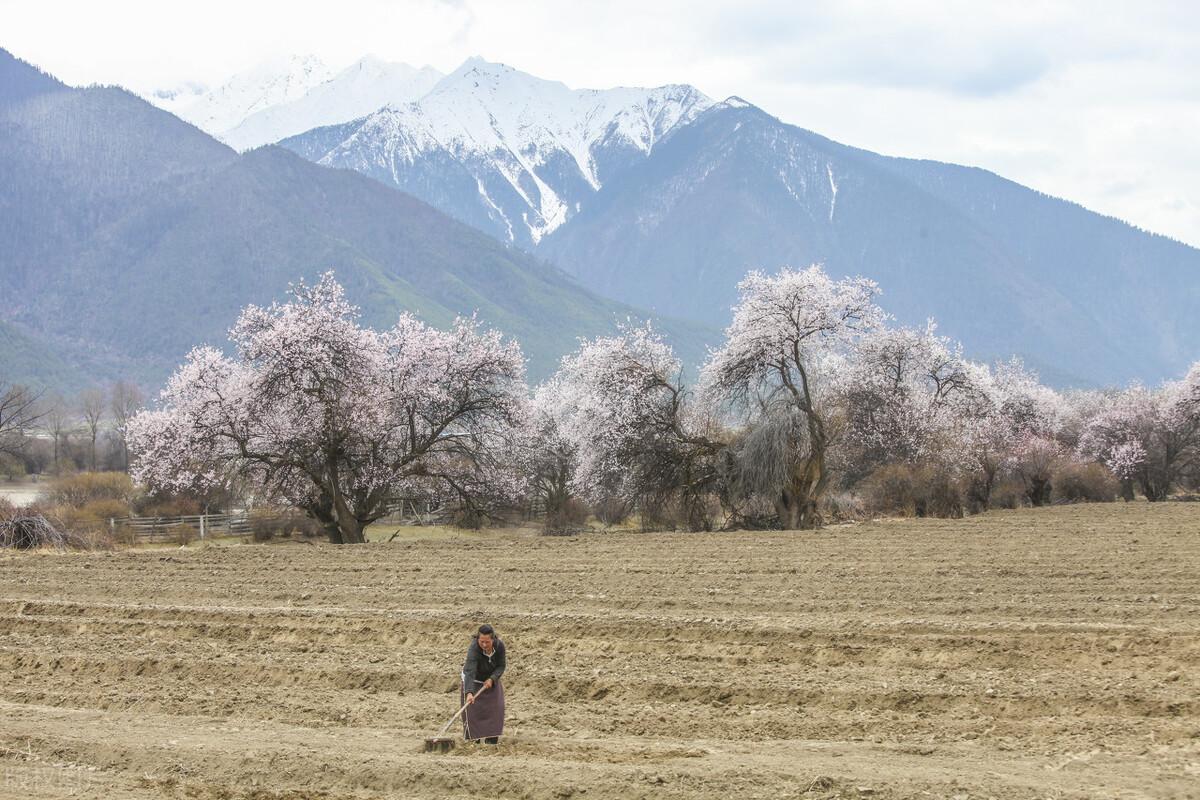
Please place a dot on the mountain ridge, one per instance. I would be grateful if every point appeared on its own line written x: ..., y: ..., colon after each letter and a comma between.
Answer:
x: 522, y: 153
x: 664, y: 198
x: 1005, y: 283
x: 361, y: 88
x: 143, y: 237
x: 739, y: 190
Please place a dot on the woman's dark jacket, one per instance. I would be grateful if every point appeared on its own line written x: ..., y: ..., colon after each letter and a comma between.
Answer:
x: 480, y: 666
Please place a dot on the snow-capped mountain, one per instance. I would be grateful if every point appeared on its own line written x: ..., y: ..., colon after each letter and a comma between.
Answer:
x: 177, y: 97
x: 268, y: 84
x: 1009, y: 270
x: 365, y: 86
x: 664, y: 199
x: 507, y: 152
x: 128, y: 236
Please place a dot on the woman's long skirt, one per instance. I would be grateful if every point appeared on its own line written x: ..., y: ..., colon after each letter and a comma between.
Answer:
x: 484, y: 718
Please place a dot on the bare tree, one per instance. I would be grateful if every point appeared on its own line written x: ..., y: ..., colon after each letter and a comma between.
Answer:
x: 56, y: 421
x: 91, y: 405
x: 19, y: 413
x: 125, y: 399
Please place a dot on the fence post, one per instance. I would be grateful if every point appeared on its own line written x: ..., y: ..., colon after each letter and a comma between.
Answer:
x: 202, y: 526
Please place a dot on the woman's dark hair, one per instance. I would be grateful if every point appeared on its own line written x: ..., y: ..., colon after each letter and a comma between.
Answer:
x: 486, y: 630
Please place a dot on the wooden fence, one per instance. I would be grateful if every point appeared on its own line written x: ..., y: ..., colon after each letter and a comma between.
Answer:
x: 203, y: 526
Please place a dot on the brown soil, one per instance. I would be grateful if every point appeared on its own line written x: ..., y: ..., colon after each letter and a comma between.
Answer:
x: 1051, y: 654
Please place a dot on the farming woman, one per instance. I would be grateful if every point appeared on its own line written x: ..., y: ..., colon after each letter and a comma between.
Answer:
x: 482, y: 691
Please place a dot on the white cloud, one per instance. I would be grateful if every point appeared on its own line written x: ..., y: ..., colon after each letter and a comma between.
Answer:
x: 1096, y: 102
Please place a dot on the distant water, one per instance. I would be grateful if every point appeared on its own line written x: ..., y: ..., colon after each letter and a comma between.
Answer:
x: 20, y: 494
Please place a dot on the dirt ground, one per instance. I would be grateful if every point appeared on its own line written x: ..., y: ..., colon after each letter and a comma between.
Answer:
x: 1050, y: 654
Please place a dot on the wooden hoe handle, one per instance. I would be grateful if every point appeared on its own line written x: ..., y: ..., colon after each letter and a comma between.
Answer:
x: 458, y: 713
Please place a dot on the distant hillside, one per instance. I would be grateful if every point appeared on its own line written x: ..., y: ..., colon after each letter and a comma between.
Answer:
x: 659, y: 198
x: 1086, y: 298
x: 127, y: 236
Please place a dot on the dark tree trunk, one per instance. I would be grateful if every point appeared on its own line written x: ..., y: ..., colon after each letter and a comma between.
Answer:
x: 979, y: 493
x: 344, y: 516
x: 1127, y: 490
x: 1155, y: 491
x: 797, y: 504
x: 1039, y: 491
x: 353, y: 531
x: 337, y: 529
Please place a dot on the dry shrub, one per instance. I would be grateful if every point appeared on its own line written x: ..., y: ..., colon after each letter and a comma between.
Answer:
x: 80, y: 489
x: 30, y: 532
x: 181, y: 534
x: 844, y: 507
x: 168, y: 507
x: 659, y: 514
x: 123, y: 534
x: 103, y: 539
x: 675, y: 513
x: 264, y: 525
x: 943, y: 496
x: 704, y: 513
x: 11, y: 467
x: 1009, y: 493
x: 305, y: 526
x: 913, y: 491
x: 568, y: 519
x: 90, y: 518
x: 891, y: 490
x: 35, y: 527
x: 267, y: 524
x: 612, y: 511
x: 90, y: 522
x: 1085, y: 483
x: 104, y: 510
x: 468, y: 518
x: 753, y: 513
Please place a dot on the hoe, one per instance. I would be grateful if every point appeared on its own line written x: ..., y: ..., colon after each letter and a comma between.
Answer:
x: 443, y: 743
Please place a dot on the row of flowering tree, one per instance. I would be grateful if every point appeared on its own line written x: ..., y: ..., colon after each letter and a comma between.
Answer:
x: 812, y: 389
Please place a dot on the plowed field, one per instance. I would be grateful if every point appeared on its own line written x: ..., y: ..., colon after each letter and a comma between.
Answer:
x: 1051, y: 653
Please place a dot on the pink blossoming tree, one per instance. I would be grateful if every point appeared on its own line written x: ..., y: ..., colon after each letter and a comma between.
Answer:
x: 779, y: 368
x: 1150, y: 437
x: 335, y: 418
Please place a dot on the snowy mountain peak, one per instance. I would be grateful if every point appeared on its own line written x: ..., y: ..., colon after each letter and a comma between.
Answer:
x: 482, y: 65
x: 285, y: 96
x: 270, y: 83
x: 369, y: 61
x: 733, y: 101
x: 536, y: 147
x: 535, y: 150
x: 365, y: 86
x: 376, y: 67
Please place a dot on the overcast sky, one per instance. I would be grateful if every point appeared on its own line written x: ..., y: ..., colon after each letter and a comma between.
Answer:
x: 1095, y: 102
